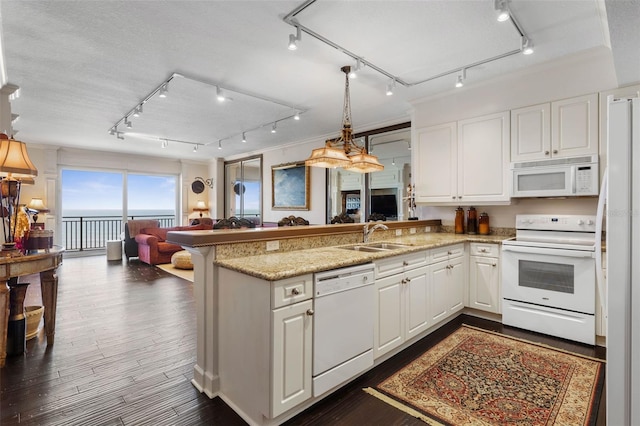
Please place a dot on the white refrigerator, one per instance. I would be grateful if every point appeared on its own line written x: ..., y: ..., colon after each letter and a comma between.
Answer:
x: 623, y: 261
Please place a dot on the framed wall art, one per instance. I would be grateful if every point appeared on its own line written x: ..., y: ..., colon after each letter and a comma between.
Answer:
x: 290, y: 186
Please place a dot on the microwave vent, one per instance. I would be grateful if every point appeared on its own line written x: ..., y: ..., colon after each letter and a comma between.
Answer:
x: 555, y: 162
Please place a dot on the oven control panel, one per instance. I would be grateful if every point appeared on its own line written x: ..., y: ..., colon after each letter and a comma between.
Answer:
x: 580, y: 223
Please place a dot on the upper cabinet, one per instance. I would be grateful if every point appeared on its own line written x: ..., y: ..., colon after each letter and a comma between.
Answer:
x: 464, y: 162
x: 566, y: 128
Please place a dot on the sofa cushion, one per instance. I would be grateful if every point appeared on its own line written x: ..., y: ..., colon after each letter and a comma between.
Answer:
x: 160, y: 233
x: 165, y: 247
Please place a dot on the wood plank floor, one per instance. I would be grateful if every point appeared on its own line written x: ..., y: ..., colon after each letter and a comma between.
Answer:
x: 125, y: 350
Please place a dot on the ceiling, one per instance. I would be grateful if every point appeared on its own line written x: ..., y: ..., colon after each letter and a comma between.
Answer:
x: 83, y: 66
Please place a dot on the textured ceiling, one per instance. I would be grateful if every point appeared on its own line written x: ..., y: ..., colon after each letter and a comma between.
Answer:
x: 82, y: 66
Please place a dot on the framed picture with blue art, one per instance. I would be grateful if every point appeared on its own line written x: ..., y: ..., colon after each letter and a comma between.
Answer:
x: 290, y: 187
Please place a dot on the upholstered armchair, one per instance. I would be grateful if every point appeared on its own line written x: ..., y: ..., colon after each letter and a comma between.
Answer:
x: 131, y: 229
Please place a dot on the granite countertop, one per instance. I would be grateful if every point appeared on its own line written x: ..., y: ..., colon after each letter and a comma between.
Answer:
x: 277, y: 266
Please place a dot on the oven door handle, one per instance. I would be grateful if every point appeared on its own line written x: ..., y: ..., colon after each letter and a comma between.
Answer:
x: 548, y: 251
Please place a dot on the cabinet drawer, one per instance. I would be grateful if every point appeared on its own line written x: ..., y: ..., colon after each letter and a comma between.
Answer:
x: 291, y: 290
x: 398, y: 264
x: 484, y: 249
x: 447, y: 252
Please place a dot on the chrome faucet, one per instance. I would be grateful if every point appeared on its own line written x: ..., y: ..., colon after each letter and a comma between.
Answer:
x: 368, y: 232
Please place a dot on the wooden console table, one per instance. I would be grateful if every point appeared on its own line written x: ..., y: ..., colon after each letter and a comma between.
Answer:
x: 44, y: 262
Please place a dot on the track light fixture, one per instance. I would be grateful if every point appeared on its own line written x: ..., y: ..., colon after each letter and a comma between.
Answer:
x: 219, y: 95
x: 165, y: 143
x: 127, y: 123
x: 120, y: 135
x: 195, y: 148
x: 391, y: 86
x: 354, y: 71
x: 220, y: 144
x: 244, y: 138
x: 137, y: 111
x: 294, y: 39
x: 113, y: 131
x: 502, y: 9
x: 527, y: 46
x: 163, y: 91
x: 273, y: 128
x: 461, y: 77
x: 296, y: 116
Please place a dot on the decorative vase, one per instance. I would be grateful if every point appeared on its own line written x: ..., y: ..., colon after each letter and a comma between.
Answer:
x: 17, y: 326
x: 34, y: 316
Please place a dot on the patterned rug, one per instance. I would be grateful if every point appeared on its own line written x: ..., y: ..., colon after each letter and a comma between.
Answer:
x: 477, y: 377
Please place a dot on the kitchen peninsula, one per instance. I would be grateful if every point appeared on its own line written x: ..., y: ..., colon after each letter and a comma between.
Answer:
x: 241, y: 289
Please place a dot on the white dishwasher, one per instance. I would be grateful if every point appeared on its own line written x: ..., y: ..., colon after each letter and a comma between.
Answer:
x: 342, y: 325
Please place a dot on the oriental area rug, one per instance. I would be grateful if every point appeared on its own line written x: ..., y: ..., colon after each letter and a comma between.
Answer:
x: 478, y: 377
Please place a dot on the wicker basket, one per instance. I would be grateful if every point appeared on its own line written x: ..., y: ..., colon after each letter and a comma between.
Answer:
x: 34, y: 315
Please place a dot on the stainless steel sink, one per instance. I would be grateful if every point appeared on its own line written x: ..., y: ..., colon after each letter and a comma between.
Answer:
x: 375, y: 247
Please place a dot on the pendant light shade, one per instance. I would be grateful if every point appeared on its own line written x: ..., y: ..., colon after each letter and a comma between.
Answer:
x: 344, y: 152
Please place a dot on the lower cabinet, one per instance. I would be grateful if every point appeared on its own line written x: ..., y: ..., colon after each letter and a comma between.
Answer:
x: 448, y: 283
x: 265, y: 343
x: 484, y: 277
x: 401, y: 299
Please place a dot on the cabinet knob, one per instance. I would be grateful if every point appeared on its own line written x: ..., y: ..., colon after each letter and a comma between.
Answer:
x: 546, y: 153
x: 449, y: 252
x: 310, y: 312
x: 405, y: 263
x: 404, y: 281
x: 555, y: 151
x: 295, y: 291
x: 494, y: 265
x: 483, y: 250
x: 408, y: 280
x: 454, y: 197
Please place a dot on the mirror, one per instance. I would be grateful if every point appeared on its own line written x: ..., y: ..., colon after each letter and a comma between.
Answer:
x: 381, y: 193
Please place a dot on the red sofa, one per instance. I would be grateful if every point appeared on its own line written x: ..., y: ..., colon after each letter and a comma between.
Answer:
x: 152, y: 246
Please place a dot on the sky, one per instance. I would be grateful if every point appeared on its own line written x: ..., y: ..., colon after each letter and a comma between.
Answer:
x: 92, y: 190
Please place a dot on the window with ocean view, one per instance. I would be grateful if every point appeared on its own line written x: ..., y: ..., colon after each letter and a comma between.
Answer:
x: 94, y: 207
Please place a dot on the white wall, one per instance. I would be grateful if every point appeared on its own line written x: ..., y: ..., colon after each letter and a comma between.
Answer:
x: 589, y: 72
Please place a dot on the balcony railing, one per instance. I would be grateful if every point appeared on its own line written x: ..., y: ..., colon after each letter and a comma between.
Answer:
x: 85, y: 233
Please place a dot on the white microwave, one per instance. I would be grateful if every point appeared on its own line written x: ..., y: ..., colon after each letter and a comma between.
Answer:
x: 561, y: 177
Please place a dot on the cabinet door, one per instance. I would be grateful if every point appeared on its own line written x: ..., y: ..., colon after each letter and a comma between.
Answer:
x: 292, y: 357
x: 483, y: 159
x: 435, y: 163
x: 439, y: 291
x: 389, y: 325
x: 531, y: 133
x: 457, y: 285
x: 484, y: 284
x: 416, y: 290
x: 574, y: 129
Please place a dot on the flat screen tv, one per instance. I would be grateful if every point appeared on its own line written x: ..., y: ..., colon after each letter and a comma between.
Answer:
x: 385, y: 204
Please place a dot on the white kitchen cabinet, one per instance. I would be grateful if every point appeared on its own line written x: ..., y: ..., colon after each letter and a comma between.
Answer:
x: 265, y: 342
x: 435, y: 163
x: 401, y: 300
x: 560, y: 129
x: 447, y: 286
x: 484, y: 277
x: 464, y: 162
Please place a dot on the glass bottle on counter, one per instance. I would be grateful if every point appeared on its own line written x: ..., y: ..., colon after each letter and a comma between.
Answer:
x: 483, y: 224
x: 459, y: 223
x: 472, y: 221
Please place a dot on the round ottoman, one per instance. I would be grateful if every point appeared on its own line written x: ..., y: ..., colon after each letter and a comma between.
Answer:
x: 181, y: 260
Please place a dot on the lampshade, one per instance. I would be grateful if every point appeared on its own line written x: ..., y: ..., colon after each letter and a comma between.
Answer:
x: 328, y: 157
x: 38, y: 204
x: 14, y: 159
x: 364, y: 163
x: 201, y: 205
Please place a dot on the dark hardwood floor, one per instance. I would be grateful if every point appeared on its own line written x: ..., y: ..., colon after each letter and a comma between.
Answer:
x: 125, y: 350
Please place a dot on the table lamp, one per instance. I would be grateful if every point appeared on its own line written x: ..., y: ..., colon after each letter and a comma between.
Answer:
x: 38, y: 205
x: 201, y: 207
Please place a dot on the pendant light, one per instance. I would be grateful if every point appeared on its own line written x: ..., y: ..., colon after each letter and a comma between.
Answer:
x: 344, y: 152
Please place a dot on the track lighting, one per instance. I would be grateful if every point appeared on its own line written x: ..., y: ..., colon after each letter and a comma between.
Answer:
x: 244, y: 138
x: 354, y: 71
x: 273, y: 128
x: 220, y: 144
x: 296, y: 116
x: 120, y: 135
x: 112, y: 131
x: 294, y: 39
x: 195, y: 148
x: 527, y: 46
x: 461, y: 77
x: 163, y: 91
x: 502, y: 10
x: 219, y: 95
x: 137, y: 111
x: 390, y: 87
x: 165, y: 143
x: 127, y: 123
